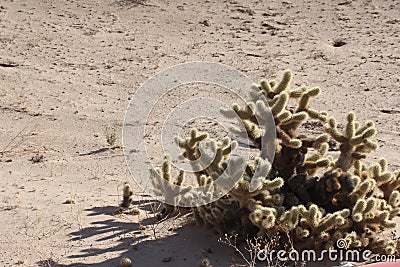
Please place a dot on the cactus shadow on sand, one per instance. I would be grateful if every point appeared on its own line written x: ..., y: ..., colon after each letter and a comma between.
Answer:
x: 184, y: 246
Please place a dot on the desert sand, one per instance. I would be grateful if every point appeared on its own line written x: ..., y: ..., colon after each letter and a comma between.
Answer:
x: 69, y: 68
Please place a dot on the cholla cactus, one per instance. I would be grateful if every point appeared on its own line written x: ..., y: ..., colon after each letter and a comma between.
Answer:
x: 127, y: 195
x: 355, y: 141
x: 305, y: 191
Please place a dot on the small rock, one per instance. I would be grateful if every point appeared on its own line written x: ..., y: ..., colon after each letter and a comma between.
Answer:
x: 125, y: 262
x: 69, y: 201
x: 37, y: 158
x: 166, y: 259
x: 338, y: 43
x: 205, y: 23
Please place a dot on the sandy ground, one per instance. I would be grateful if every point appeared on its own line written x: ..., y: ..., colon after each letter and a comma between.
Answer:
x: 69, y: 68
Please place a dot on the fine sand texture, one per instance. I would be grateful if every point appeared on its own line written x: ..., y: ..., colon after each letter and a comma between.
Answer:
x: 69, y: 68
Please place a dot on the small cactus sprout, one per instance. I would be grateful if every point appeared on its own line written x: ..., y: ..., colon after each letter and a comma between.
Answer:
x: 127, y: 195
x: 111, y: 136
